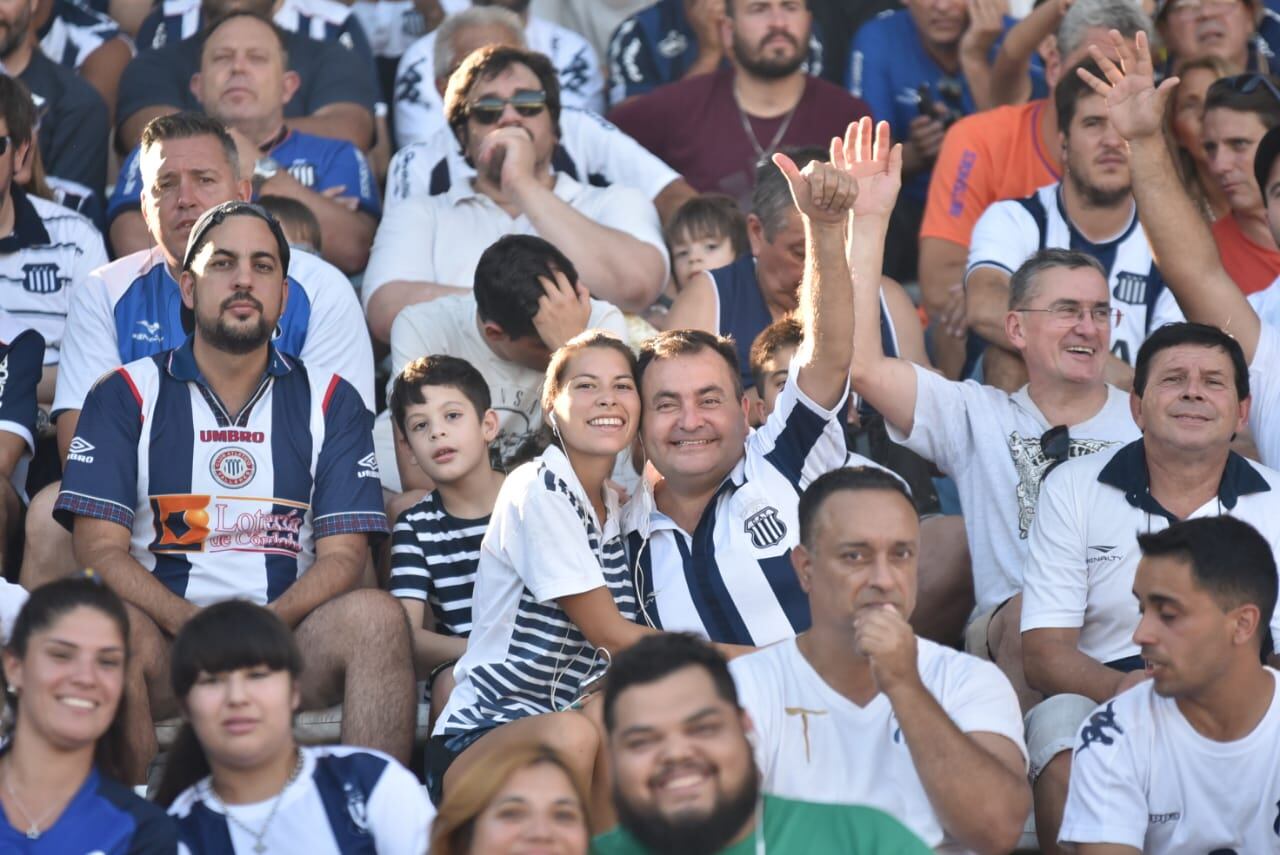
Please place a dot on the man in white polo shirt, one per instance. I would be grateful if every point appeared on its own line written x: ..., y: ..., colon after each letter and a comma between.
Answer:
x: 858, y: 710
x: 1186, y: 761
x: 1190, y: 397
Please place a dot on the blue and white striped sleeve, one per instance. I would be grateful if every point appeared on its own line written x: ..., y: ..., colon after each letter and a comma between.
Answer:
x: 801, y: 438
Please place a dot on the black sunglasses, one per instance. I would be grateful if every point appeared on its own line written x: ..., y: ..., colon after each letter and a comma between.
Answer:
x: 1055, y: 445
x: 527, y: 102
x: 1246, y: 83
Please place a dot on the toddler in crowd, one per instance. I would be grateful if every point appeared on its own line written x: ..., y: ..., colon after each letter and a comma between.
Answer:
x: 298, y: 221
x: 442, y: 407
x: 707, y: 232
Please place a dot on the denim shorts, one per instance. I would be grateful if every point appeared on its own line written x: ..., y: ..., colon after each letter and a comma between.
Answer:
x: 442, y: 751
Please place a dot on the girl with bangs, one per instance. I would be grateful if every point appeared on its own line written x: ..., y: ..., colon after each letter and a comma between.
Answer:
x: 237, y: 780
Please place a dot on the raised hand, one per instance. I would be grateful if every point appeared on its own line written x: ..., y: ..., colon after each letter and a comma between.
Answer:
x: 823, y: 192
x: 875, y: 167
x: 1136, y: 106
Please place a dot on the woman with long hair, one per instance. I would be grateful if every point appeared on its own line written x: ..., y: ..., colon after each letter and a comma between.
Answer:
x: 516, y: 801
x: 554, y: 597
x: 63, y: 758
x: 1185, y: 124
x: 236, y: 779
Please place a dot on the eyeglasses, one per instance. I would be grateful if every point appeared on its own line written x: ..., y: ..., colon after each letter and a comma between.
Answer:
x: 489, y: 109
x: 1195, y: 8
x: 1055, y: 446
x: 1070, y: 314
x: 1247, y: 83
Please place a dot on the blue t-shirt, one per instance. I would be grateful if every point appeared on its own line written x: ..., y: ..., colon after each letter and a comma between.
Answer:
x: 318, y: 163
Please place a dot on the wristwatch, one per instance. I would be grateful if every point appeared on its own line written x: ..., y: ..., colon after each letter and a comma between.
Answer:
x: 264, y: 169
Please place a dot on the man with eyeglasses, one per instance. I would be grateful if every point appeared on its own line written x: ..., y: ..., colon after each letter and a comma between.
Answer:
x: 503, y: 105
x: 1092, y: 210
x: 991, y: 442
x: 1224, y: 29
x: 1190, y: 397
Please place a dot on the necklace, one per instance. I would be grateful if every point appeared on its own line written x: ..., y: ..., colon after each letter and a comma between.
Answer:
x: 763, y: 152
x: 33, y: 831
x: 258, y: 846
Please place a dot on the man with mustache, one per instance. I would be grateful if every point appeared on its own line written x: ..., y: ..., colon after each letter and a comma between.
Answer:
x: 760, y: 102
x: 1190, y: 397
x: 223, y: 468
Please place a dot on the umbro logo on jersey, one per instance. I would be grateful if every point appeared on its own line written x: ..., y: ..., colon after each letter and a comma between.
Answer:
x: 1095, y: 732
x: 368, y: 466
x: 765, y: 527
x: 79, y: 451
x: 41, y: 278
x: 233, y: 467
x: 232, y: 436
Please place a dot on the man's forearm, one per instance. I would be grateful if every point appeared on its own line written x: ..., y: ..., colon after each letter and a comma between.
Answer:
x: 1059, y: 669
x: 329, y: 577
x: 826, y: 307
x: 865, y: 251
x: 342, y: 121
x: 393, y: 296
x: 134, y: 584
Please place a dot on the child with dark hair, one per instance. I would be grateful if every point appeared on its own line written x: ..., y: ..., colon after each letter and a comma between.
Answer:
x: 441, y: 406
x: 707, y: 232
x: 298, y: 221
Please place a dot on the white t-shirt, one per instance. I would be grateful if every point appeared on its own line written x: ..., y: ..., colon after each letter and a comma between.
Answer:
x: 989, y: 442
x: 420, y: 109
x: 1010, y: 232
x: 1142, y: 776
x: 593, y: 149
x: 1264, y: 389
x: 441, y: 238
x: 815, y: 745
x: 1083, y: 549
x: 448, y: 325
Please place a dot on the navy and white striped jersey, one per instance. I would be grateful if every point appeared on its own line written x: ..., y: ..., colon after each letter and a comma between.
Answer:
x: 1010, y: 232
x: 525, y: 656
x: 433, y: 558
x: 104, y: 817
x: 48, y: 256
x: 21, y: 364
x: 73, y: 32
x: 345, y: 801
x: 223, y: 507
x: 731, y: 579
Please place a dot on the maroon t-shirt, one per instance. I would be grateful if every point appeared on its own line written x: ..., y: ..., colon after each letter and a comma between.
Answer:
x: 694, y: 125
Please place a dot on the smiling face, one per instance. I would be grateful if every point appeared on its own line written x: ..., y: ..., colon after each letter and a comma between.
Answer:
x: 181, y: 179
x: 242, y: 74
x: 536, y: 811
x: 243, y: 718
x: 597, y: 408
x: 446, y: 435
x: 1063, y: 351
x: 682, y: 766
x: 1231, y: 138
x: 70, y: 682
x: 1190, y: 401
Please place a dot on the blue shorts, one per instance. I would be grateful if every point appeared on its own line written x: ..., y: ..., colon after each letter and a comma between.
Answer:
x: 442, y: 751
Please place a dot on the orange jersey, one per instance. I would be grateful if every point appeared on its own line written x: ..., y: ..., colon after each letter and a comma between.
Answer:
x: 989, y: 156
x: 1250, y: 266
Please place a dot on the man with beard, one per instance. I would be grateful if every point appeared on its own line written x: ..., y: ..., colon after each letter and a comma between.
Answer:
x: 758, y: 103
x: 1186, y: 762
x: 224, y: 468
x: 74, y: 124
x: 684, y: 777
x: 1091, y: 210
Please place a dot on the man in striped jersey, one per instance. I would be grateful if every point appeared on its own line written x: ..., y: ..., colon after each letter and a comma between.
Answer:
x: 277, y: 504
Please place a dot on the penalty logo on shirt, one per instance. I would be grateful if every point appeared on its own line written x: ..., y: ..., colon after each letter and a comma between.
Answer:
x: 233, y: 467
x: 765, y: 527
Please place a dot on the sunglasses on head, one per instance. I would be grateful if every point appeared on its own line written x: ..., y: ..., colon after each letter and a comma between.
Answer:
x: 489, y: 109
x: 1246, y: 83
x: 1055, y: 445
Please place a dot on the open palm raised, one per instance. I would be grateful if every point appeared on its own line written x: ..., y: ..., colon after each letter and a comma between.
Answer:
x: 876, y: 167
x: 1136, y: 106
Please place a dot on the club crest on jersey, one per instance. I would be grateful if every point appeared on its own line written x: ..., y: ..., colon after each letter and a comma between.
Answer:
x: 1130, y: 288
x: 304, y: 172
x: 233, y: 467
x: 765, y: 527
x: 357, y: 809
x: 41, y: 278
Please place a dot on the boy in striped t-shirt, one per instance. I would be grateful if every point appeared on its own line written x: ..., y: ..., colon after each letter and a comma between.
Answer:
x: 441, y: 406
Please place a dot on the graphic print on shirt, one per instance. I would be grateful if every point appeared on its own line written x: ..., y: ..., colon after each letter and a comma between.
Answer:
x: 1030, y: 463
x: 804, y: 714
x: 1096, y: 731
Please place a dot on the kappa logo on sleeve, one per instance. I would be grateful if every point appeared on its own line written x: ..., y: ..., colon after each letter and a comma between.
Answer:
x: 79, y: 450
x: 1095, y: 732
x: 368, y: 467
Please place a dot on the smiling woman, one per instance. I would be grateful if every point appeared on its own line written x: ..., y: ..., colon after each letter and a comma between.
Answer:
x: 64, y: 669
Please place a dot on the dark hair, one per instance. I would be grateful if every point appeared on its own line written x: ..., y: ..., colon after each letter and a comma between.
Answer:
x: 657, y: 656
x: 506, y: 286
x: 1225, y: 93
x: 437, y: 370
x: 294, y: 216
x: 1069, y: 91
x: 559, y: 363
x: 45, y: 607
x: 1025, y: 281
x: 849, y: 478
x: 216, y: 24
x: 729, y: 13
x: 181, y: 126
x: 1229, y: 559
x: 771, y: 200
x: 18, y: 109
x: 709, y: 215
x: 219, y: 214
x: 487, y: 63
x: 687, y: 342
x: 224, y: 637
x: 785, y: 332
x: 1201, y: 335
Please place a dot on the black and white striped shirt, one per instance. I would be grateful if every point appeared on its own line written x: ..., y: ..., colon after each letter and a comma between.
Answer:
x: 525, y: 656
x: 433, y: 558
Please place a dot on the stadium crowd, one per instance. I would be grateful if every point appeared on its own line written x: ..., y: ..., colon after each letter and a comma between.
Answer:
x: 618, y: 426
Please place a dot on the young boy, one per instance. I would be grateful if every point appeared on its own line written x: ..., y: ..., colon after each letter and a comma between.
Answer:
x: 441, y: 405
x: 705, y: 233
